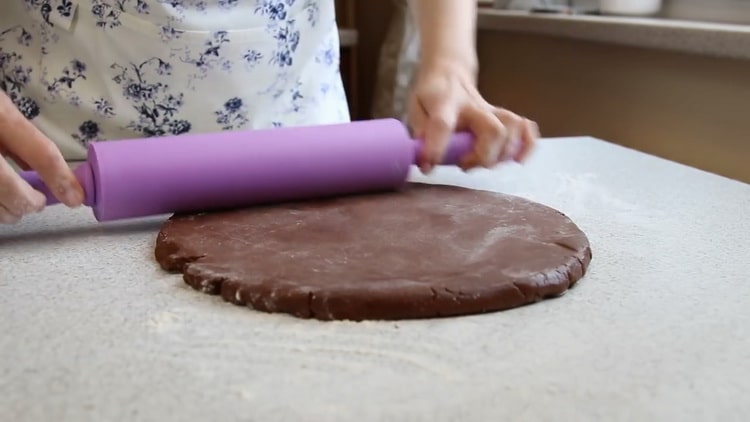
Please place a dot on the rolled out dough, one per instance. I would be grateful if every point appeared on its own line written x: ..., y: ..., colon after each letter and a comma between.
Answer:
x: 428, y: 251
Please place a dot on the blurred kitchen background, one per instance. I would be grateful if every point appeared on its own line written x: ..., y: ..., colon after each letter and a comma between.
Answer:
x: 671, y: 77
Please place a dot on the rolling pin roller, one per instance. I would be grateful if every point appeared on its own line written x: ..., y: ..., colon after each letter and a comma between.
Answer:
x: 202, y: 172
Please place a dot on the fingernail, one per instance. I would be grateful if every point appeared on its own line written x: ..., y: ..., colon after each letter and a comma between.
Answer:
x: 71, y: 196
x: 467, y: 163
x: 38, y: 204
x: 511, y: 151
x: 522, y: 152
x: 429, y: 157
x: 438, y: 157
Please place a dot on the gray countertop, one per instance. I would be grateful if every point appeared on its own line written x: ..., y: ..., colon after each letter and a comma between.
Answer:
x: 705, y: 38
x: 659, y: 329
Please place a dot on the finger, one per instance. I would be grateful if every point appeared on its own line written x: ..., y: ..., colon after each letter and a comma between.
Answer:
x: 22, y: 139
x: 442, y: 116
x: 416, y: 118
x: 16, y: 196
x: 529, y: 135
x: 490, y: 134
x: 514, y: 124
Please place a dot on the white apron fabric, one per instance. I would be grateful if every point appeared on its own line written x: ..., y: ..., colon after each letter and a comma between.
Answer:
x: 95, y: 70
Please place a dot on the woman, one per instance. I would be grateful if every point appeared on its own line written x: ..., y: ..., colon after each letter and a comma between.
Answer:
x: 79, y: 71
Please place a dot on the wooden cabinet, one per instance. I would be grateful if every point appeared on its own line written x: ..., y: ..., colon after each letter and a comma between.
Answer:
x: 348, y: 37
x: 368, y: 20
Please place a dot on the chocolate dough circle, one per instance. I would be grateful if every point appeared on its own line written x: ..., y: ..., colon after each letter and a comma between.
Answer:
x: 428, y: 251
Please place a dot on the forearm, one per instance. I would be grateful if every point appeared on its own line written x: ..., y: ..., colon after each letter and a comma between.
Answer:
x: 447, y: 30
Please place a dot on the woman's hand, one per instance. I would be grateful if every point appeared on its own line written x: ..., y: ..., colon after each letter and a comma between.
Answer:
x: 22, y: 142
x: 445, y: 99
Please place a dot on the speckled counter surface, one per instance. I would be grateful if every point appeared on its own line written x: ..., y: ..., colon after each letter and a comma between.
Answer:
x: 92, y: 330
x: 711, y: 39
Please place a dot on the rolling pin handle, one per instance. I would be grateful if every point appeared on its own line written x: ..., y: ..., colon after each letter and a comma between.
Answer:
x: 460, y: 144
x: 83, y: 173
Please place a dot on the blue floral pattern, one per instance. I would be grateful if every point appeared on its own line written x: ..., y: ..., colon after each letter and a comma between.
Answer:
x: 14, y: 74
x: 157, y: 106
x: 52, y: 11
x: 141, y: 68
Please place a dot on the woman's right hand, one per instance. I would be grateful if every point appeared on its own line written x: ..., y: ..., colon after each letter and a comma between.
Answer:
x: 27, y: 146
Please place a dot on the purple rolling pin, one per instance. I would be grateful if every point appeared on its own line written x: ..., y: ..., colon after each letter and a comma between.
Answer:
x: 202, y: 172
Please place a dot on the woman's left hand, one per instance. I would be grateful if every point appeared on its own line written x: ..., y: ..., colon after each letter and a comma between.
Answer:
x: 445, y: 99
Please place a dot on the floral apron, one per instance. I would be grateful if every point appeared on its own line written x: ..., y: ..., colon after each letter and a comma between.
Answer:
x: 94, y: 70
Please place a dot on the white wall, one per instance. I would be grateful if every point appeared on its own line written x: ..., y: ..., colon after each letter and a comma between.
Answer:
x: 729, y: 11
